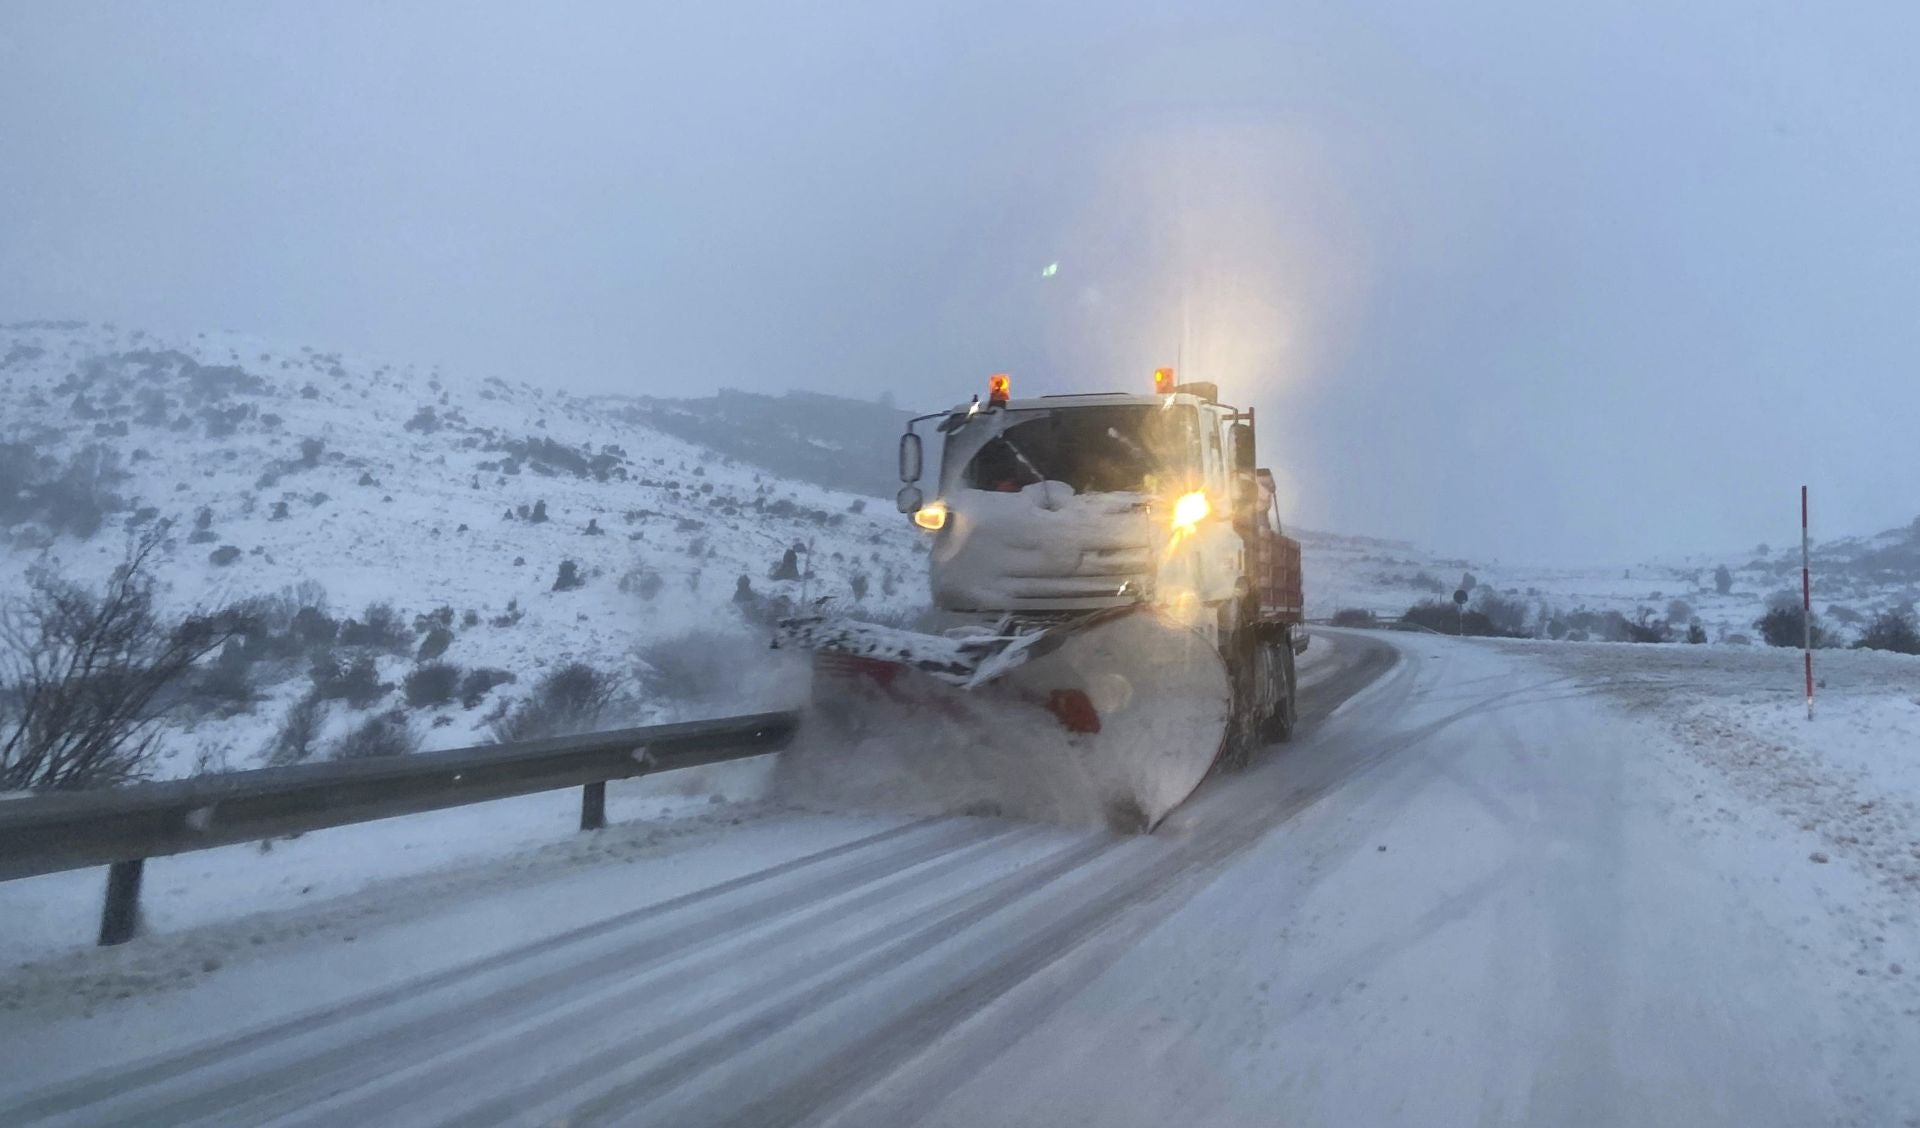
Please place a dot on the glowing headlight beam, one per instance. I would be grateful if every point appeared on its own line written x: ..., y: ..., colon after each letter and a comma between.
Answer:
x: 1190, y: 510
x: 932, y: 516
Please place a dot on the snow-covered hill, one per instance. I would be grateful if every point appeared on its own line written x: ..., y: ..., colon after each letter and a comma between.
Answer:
x: 338, y: 482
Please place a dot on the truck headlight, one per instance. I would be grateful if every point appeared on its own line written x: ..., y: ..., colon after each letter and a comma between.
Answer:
x: 932, y: 516
x: 1190, y: 510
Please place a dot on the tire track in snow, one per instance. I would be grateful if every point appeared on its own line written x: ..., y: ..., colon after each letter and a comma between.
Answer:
x: 652, y: 985
x: 409, y: 1034
x: 100, y: 1089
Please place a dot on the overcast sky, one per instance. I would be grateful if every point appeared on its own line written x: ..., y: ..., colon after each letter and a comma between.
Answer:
x: 1600, y: 282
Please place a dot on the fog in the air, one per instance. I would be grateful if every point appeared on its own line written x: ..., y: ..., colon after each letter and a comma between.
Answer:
x: 1544, y: 283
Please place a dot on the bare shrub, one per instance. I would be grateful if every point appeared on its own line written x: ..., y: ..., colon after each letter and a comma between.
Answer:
x: 1643, y: 627
x: 74, y: 499
x: 1425, y: 581
x: 1447, y: 618
x: 569, y: 577
x: 225, y: 686
x: 379, y: 737
x: 431, y: 685
x: 357, y: 683
x: 642, y: 581
x: 1353, y: 617
x: 294, y: 741
x: 1785, y: 624
x: 84, y: 676
x: 312, y: 628
x: 694, y: 666
x: 479, y: 682
x: 571, y: 699
x: 434, y: 644
x: 1507, y: 613
x: 1893, y: 630
x: 378, y: 628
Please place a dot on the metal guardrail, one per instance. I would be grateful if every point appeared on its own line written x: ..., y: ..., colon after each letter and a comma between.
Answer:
x: 1383, y: 622
x: 122, y: 827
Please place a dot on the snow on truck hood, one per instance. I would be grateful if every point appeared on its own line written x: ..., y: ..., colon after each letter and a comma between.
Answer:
x: 1042, y: 547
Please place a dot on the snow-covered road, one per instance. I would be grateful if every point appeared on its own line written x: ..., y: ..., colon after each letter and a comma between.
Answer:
x: 1472, y: 891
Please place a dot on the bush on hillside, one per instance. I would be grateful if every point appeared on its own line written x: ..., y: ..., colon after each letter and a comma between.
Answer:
x: 434, y: 644
x: 313, y: 629
x: 378, y: 628
x: 1445, y: 617
x: 1785, y: 625
x: 299, y: 732
x: 432, y: 685
x: 1507, y: 613
x: 225, y: 686
x: 1643, y: 627
x: 357, y: 682
x: 642, y: 581
x: 1353, y: 617
x: 379, y: 737
x: 569, y: 700
x: 74, y: 499
x: 479, y: 682
x: 1893, y: 630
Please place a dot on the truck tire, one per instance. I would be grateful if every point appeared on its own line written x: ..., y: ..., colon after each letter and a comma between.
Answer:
x: 1277, y: 727
x: 1242, y: 653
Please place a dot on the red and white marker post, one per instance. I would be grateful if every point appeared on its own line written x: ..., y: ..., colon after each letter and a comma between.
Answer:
x: 1806, y: 601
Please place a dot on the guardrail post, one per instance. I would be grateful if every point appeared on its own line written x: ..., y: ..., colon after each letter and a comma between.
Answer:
x: 122, y: 913
x: 593, y: 806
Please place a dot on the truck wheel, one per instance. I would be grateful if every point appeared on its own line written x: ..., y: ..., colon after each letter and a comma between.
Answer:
x: 1243, y: 723
x: 1278, y: 725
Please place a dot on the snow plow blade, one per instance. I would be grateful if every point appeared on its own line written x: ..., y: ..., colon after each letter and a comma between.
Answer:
x: 1109, y: 720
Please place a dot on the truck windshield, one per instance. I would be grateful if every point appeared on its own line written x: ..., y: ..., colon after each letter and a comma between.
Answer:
x: 1105, y: 449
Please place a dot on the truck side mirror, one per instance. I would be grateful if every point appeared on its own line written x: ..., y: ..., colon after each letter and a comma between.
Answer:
x: 909, y: 499
x: 910, y: 458
x: 1246, y: 498
x: 1241, y: 435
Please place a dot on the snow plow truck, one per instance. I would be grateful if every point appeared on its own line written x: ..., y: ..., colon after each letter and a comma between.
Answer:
x: 1118, y: 607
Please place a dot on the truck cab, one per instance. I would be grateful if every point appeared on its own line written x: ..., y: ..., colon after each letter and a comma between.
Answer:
x: 1073, y: 503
